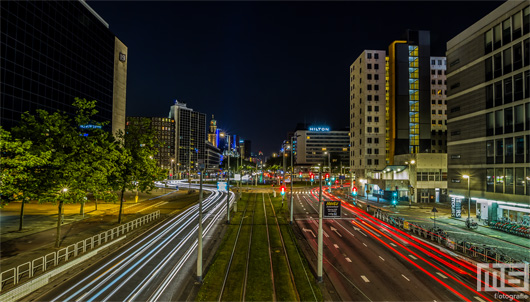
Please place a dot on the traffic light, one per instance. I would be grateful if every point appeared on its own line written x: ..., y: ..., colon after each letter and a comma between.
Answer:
x: 282, y: 190
x: 327, y: 177
x: 312, y: 176
x: 333, y: 178
x: 300, y: 174
x: 394, y: 198
x: 354, y: 191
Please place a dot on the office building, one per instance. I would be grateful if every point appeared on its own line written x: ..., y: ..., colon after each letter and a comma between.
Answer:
x: 190, y: 136
x: 313, y: 145
x: 55, y: 51
x: 438, y: 105
x: 489, y: 114
x: 367, y: 113
x: 164, y: 129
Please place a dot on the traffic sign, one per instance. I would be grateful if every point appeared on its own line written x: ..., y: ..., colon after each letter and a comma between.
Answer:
x: 222, y: 186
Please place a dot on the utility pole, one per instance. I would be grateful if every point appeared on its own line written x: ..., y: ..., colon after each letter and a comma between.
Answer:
x: 199, y: 248
x: 228, y: 187
x: 320, y: 231
x: 292, y: 179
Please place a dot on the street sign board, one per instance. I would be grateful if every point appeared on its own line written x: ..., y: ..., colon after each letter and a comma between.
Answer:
x: 332, y: 209
x: 343, y: 177
x: 222, y: 186
x: 434, y: 210
x: 237, y: 177
x: 456, y: 207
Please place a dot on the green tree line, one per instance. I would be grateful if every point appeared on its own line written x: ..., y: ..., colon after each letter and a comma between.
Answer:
x: 56, y: 158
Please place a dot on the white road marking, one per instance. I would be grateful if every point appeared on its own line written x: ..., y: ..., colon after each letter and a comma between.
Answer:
x: 441, y: 275
x: 405, y: 277
x: 326, y: 234
x: 307, y: 212
x: 413, y: 257
x: 364, y: 278
x: 381, y: 258
x: 478, y: 298
x: 336, y: 246
x: 392, y: 244
x: 365, y: 244
x: 348, y: 259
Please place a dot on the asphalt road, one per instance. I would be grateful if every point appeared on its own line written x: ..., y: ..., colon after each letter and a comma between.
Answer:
x: 367, y: 260
x: 153, y: 267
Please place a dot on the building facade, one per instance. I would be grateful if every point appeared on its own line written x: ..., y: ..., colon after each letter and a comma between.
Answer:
x: 438, y: 105
x: 313, y: 144
x: 489, y: 113
x: 55, y: 51
x: 190, y: 136
x: 368, y: 113
x: 164, y: 129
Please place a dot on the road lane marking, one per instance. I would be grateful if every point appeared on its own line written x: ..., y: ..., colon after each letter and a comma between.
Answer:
x: 365, y: 244
x: 336, y: 246
x: 478, y: 298
x: 441, y: 275
x: 307, y: 212
x: 364, y: 278
x: 348, y: 259
x: 326, y: 234
x: 392, y: 244
x: 413, y: 257
x: 381, y: 258
x: 405, y: 277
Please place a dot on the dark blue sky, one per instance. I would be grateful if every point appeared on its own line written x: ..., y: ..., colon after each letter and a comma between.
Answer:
x: 262, y: 67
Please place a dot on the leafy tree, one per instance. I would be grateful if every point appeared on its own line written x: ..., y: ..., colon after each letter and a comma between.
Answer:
x: 66, y: 176
x: 137, y: 169
x: 19, y: 171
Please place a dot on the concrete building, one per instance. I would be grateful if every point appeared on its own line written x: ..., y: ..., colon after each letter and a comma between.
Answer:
x: 314, y: 143
x: 489, y: 113
x: 190, y: 136
x: 54, y: 51
x: 368, y: 113
x: 164, y: 129
x: 438, y: 105
x: 213, y: 158
x: 213, y: 134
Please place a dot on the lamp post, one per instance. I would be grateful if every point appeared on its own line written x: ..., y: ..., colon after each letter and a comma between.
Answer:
x: 199, y: 239
x: 468, y: 197
x: 320, y: 251
x: 329, y: 164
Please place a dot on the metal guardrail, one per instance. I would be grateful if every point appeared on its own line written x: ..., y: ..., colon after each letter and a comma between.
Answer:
x: 480, y: 252
x: 27, y: 270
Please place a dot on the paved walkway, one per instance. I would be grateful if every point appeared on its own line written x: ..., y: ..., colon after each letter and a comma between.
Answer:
x: 517, y: 247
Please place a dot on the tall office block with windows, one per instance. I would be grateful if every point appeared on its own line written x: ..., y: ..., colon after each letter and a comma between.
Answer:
x: 54, y: 51
x: 489, y: 112
x: 438, y: 105
x: 367, y: 112
x: 190, y: 135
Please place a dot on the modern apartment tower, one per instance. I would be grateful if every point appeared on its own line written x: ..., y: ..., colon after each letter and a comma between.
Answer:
x: 368, y: 112
x: 190, y: 135
x: 489, y: 113
x: 54, y: 51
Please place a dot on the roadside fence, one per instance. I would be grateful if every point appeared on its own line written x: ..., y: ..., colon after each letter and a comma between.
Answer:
x: 39, y: 265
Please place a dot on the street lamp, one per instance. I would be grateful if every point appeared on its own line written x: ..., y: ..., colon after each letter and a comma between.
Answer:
x: 468, y: 198
x: 329, y: 164
x: 292, y: 179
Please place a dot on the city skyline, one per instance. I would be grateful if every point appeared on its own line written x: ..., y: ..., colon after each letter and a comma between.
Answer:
x: 268, y: 65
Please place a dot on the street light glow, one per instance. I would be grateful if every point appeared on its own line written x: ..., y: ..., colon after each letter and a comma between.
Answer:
x: 465, y: 176
x: 65, y: 189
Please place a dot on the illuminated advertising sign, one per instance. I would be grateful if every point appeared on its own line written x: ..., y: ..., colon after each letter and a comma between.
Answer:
x: 319, y: 128
x: 332, y: 209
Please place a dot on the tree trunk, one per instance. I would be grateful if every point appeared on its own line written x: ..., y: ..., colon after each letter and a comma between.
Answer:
x: 82, y: 210
x: 21, y: 220
x: 59, y: 220
x: 121, y: 204
x: 96, y: 202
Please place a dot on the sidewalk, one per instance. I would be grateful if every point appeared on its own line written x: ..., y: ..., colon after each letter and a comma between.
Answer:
x: 421, y: 213
x: 38, y: 235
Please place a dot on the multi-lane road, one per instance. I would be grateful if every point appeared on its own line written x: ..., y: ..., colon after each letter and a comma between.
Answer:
x: 153, y: 267
x: 368, y: 260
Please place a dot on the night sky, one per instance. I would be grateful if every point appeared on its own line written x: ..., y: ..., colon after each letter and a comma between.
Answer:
x: 263, y: 67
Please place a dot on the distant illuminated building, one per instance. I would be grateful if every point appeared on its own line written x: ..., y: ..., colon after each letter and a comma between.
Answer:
x: 311, y: 143
x: 213, y: 133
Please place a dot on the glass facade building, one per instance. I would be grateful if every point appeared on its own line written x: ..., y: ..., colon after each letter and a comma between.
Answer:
x: 54, y: 51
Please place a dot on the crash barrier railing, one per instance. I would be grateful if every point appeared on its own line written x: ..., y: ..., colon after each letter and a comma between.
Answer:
x: 480, y: 252
x: 29, y: 269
